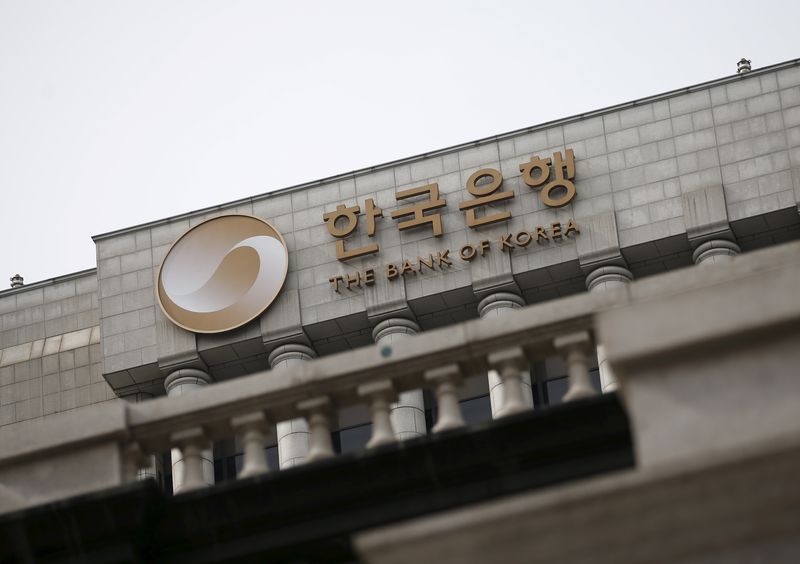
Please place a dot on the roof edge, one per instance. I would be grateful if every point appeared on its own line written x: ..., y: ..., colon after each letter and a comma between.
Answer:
x: 453, y: 148
x: 48, y: 282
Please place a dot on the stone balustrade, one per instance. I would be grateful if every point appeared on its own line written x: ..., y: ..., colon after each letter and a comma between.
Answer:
x: 249, y: 407
x: 681, y: 319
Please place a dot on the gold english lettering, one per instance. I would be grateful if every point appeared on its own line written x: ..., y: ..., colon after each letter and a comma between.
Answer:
x: 523, y: 238
x: 572, y: 227
x: 427, y: 262
x: 467, y: 252
x: 406, y: 268
x: 356, y: 280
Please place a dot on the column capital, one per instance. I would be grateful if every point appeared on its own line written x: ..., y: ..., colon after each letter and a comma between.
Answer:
x: 182, y: 375
x: 513, y: 356
x: 254, y: 420
x: 394, y: 326
x: 192, y: 435
x: 500, y: 300
x: 608, y: 273
x: 580, y: 340
x: 379, y: 388
x: 446, y: 373
x: 715, y: 248
x: 291, y: 351
x: 317, y: 404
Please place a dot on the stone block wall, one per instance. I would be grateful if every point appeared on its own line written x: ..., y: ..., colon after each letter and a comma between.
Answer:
x: 50, y: 356
x: 636, y: 162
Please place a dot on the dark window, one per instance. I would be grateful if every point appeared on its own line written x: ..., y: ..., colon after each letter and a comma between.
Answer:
x: 352, y: 438
x: 475, y: 410
x: 272, y: 457
x: 225, y: 468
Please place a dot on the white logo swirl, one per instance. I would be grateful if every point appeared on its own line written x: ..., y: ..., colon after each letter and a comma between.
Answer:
x: 222, y: 273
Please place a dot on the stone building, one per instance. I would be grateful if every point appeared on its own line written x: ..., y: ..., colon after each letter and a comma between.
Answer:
x: 547, y: 301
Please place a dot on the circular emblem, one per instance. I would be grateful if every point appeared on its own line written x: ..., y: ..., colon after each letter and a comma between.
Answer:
x: 222, y: 273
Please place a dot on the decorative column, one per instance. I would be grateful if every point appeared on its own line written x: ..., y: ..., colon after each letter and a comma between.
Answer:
x: 603, y: 279
x: 501, y: 304
x: 408, y: 414
x: 715, y: 251
x: 196, y: 449
x: 293, y: 436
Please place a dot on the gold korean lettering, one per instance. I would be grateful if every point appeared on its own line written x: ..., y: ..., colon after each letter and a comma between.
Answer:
x: 418, y: 209
x: 484, y: 195
x: 536, y: 172
x: 347, y: 219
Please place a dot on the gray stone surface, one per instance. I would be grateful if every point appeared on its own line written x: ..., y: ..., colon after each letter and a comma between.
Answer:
x: 671, y: 166
x: 50, y: 357
x: 706, y: 214
x: 674, y: 341
x: 599, y: 242
x: 683, y: 513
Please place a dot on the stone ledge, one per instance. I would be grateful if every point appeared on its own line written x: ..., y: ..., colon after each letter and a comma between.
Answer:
x: 747, y: 503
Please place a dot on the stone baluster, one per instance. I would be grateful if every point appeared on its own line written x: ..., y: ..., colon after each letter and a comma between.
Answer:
x: 293, y: 435
x: 602, y: 279
x: 408, y: 414
x: 178, y: 383
x: 576, y: 349
x: 318, y: 414
x: 379, y: 395
x: 192, y: 445
x: 446, y: 381
x: 510, y: 365
x: 253, y: 430
x: 137, y: 463
x: 715, y: 251
x: 149, y: 466
x: 500, y: 304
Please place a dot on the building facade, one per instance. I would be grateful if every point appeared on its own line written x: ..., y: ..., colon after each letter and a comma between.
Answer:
x: 378, y: 256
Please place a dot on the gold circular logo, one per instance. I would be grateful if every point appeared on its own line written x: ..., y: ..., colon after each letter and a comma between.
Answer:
x: 222, y: 273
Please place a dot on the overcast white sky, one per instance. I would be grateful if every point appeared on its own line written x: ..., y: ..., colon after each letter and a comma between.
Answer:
x: 116, y: 113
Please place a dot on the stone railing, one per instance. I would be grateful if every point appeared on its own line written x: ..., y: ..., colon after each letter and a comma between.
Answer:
x: 373, y: 376
x: 665, y: 337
